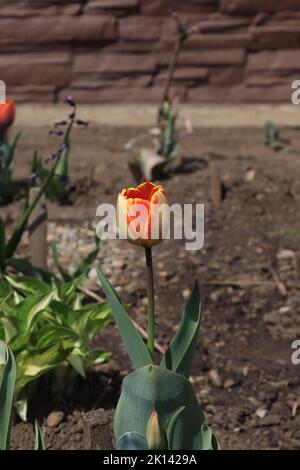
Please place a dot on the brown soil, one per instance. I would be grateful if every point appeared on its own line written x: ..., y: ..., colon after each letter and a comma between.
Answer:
x: 243, y: 372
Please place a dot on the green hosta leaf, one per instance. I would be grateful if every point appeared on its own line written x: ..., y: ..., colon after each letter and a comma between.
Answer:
x: 60, y: 313
x: 53, y: 334
x: 96, y: 356
x: 67, y: 291
x: 32, y: 365
x: 22, y: 408
x: 31, y: 307
x: 132, y: 441
x: 179, y: 355
x: 5, y: 290
x: 28, y: 285
x: 135, y: 346
x: 39, y: 443
x: 98, y: 317
x: 11, y: 327
x: 7, y: 385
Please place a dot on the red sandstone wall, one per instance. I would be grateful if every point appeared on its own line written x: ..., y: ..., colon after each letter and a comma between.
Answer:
x: 118, y: 50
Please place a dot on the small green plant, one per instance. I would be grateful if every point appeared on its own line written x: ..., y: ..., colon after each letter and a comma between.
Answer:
x: 152, y: 161
x: 49, y: 328
x: 8, y: 375
x: 158, y: 407
x: 60, y: 186
x: 272, y: 136
x: 49, y: 179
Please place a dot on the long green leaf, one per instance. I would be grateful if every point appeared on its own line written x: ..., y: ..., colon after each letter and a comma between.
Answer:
x: 171, y: 425
x: 65, y: 276
x: 179, y: 355
x: 39, y: 443
x: 7, y: 385
x: 50, y: 335
x: 29, y: 285
x: 29, y: 308
x: 27, y: 269
x: 12, y: 148
x: 32, y: 365
x: 132, y: 441
x: 135, y: 346
x: 17, y: 234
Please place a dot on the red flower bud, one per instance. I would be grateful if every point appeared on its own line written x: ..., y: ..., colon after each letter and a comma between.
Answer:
x: 7, y: 113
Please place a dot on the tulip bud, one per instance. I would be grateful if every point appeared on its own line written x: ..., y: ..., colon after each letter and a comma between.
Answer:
x: 141, y: 214
x: 155, y: 434
x: 7, y: 113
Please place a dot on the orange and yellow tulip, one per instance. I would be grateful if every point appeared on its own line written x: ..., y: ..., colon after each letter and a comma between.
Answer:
x: 140, y: 214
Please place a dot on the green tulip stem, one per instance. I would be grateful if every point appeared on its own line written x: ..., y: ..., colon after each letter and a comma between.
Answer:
x: 150, y: 285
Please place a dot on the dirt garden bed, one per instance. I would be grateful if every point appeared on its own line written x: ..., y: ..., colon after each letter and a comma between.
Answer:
x: 243, y: 373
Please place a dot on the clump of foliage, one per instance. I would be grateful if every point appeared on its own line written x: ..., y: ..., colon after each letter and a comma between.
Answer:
x: 152, y: 161
x: 53, y: 181
x: 49, y: 329
x: 45, y: 320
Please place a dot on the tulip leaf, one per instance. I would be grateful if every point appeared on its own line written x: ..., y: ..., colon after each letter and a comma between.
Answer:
x: 179, y: 355
x: 39, y: 438
x: 16, y: 236
x: 135, y: 346
x: 171, y: 424
x: 7, y: 385
x: 150, y: 388
x: 132, y: 441
x: 11, y: 149
x: 208, y: 439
